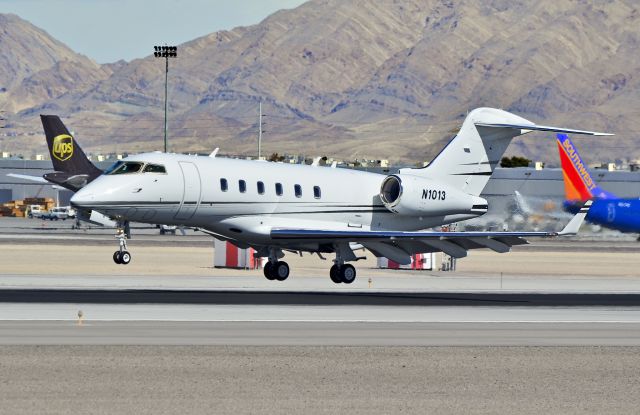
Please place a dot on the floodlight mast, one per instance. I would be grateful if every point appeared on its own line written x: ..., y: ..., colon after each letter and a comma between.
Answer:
x: 165, y: 52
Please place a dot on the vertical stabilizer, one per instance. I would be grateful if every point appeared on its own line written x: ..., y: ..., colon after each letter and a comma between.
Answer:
x: 66, y: 154
x: 72, y: 168
x: 578, y: 184
x: 470, y: 158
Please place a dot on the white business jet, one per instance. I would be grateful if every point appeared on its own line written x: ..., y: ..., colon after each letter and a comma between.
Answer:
x: 275, y: 207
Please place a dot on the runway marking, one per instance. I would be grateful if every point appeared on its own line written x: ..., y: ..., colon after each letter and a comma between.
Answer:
x: 87, y: 322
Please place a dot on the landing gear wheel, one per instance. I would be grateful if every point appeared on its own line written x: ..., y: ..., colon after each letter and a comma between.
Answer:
x: 347, y: 273
x: 281, y: 270
x: 334, y: 274
x: 125, y: 257
x: 122, y: 256
x: 268, y: 271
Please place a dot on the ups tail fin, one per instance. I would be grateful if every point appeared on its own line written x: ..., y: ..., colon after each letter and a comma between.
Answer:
x: 470, y: 158
x: 66, y: 155
x: 578, y: 184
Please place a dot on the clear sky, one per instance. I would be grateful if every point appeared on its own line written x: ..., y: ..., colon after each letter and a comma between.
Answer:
x: 109, y: 30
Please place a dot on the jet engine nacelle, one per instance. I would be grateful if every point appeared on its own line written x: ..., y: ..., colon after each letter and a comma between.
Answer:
x: 417, y: 196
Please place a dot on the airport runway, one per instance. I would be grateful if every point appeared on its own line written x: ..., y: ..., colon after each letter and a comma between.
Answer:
x: 316, y: 298
x: 255, y: 317
x: 556, y: 333
x: 319, y: 333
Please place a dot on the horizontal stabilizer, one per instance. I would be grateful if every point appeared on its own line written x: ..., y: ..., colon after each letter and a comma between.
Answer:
x: 71, y: 181
x: 574, y: 224
x: 37, y: 179
x: 534, y: 127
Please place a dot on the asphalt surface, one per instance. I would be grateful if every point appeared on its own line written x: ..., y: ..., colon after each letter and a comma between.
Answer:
x: 316, y: 298
x: 172, y: 334
x: 276, y: 333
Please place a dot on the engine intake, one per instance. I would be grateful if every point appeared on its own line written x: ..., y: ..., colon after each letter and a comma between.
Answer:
x: 391, y: 190
x: 419, y: 196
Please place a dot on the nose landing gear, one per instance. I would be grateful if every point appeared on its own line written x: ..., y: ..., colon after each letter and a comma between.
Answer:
x: 121, y: 256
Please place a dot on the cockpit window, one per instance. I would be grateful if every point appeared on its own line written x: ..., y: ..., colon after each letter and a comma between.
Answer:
x: 112, y: 167
x: 125, y: 167
x: 154, y: 168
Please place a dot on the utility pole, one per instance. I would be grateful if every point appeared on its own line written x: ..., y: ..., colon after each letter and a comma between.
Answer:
x: 165, y: 52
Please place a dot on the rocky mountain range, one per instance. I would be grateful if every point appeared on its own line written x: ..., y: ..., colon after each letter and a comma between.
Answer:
x: 345, y: 78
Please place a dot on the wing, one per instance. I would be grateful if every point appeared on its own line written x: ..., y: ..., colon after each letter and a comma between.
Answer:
x: 399, y: 246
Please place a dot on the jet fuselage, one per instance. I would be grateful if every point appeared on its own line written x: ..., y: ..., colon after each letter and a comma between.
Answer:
x: 244, y: 200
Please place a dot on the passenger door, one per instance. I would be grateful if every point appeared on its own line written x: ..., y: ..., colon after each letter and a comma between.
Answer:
x: 191, y: 193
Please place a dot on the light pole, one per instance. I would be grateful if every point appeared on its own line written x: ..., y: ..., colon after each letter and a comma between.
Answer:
x: 165, y: 52
x: 260, y: 130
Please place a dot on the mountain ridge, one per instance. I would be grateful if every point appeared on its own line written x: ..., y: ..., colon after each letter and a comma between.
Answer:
x: 383, y: 79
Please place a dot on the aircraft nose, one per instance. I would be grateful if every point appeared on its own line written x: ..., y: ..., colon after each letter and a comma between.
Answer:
x: 83, y: 198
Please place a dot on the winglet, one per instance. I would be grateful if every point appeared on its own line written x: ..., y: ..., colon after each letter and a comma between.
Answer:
x: 574, y: 224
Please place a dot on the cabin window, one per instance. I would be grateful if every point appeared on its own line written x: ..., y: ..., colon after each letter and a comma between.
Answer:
x: 224, y: 186
x: 279, y: 189
x: 316, y: 192
x: 260, y: 188
x: 125, y: 167
x: 242, y: 185
x: 298, y: 190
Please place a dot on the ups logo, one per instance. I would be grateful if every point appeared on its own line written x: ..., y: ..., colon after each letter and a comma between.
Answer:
x: 63, y: 147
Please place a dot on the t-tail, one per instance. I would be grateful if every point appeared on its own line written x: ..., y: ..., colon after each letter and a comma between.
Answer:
x: 470, y: 158
x: 578, y: 184
x: 73, y: 169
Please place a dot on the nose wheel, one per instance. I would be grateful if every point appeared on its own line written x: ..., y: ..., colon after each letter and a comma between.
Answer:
x: 121, y: 256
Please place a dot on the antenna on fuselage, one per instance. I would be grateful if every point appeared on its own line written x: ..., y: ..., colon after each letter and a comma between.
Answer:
x: 214, y: 153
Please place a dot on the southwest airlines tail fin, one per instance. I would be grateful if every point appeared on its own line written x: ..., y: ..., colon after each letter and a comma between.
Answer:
x: 72, y: 168
x: 578, y: 184
x: 469, y: 159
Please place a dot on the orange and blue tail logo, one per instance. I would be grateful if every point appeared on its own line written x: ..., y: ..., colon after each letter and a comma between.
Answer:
x: 578, y: 184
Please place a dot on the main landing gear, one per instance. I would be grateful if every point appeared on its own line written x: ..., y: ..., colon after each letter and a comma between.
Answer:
x: 341, y: 272
x: 345, y: 273
x: 121, y: 256
x: 275, y: 269
x: 278, y: 270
